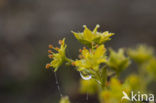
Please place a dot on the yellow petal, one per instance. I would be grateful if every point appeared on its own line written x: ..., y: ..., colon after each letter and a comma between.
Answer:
x: 88, y: 35
x: 100, y: 51
x: 95, y: 29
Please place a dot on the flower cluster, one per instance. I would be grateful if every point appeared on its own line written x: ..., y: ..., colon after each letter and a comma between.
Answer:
x: 93, y: 59
x: 100, y: 71
x: 144, y: 56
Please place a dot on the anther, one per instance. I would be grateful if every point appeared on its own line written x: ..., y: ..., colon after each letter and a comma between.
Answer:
x: 60, y: 42
x: 50, y: 56
x: 50, y: 46
x: 73, y: 63
x: 49, y: 51
x: 80, y: 50
x: 84, y: 48
x: 96, y: 46
x: 57, y: 48
x: 80, y: 56
x: 47, y: 66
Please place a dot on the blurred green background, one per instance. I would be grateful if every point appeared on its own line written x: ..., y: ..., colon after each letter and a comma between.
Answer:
x: 27, y: 27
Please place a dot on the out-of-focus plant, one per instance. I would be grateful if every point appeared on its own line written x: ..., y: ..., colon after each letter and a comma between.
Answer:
x: 88, y: 86
x: 113, y: 94
x: 141, y: 53
x: 150, y: 67
x: 100, y: 72
x: 64, y: 100
x: 118, y: 61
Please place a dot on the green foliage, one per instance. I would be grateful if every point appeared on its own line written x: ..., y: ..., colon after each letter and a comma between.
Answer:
x: 100, y: 72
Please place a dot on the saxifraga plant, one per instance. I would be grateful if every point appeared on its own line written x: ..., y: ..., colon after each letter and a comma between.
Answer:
x: 100, y: 72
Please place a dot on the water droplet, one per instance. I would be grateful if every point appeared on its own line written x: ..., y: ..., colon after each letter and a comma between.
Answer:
x: 85, y: 77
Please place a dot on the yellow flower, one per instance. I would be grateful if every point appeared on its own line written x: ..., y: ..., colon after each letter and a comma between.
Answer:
x: 91, y: 59
x: 89, y: 37
x: 58, y: 57
x: 64, y: 100
x: 141, y: 54
x: 117, y: 60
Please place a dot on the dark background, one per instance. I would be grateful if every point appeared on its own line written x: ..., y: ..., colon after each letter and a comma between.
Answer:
x: 28, y: 26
